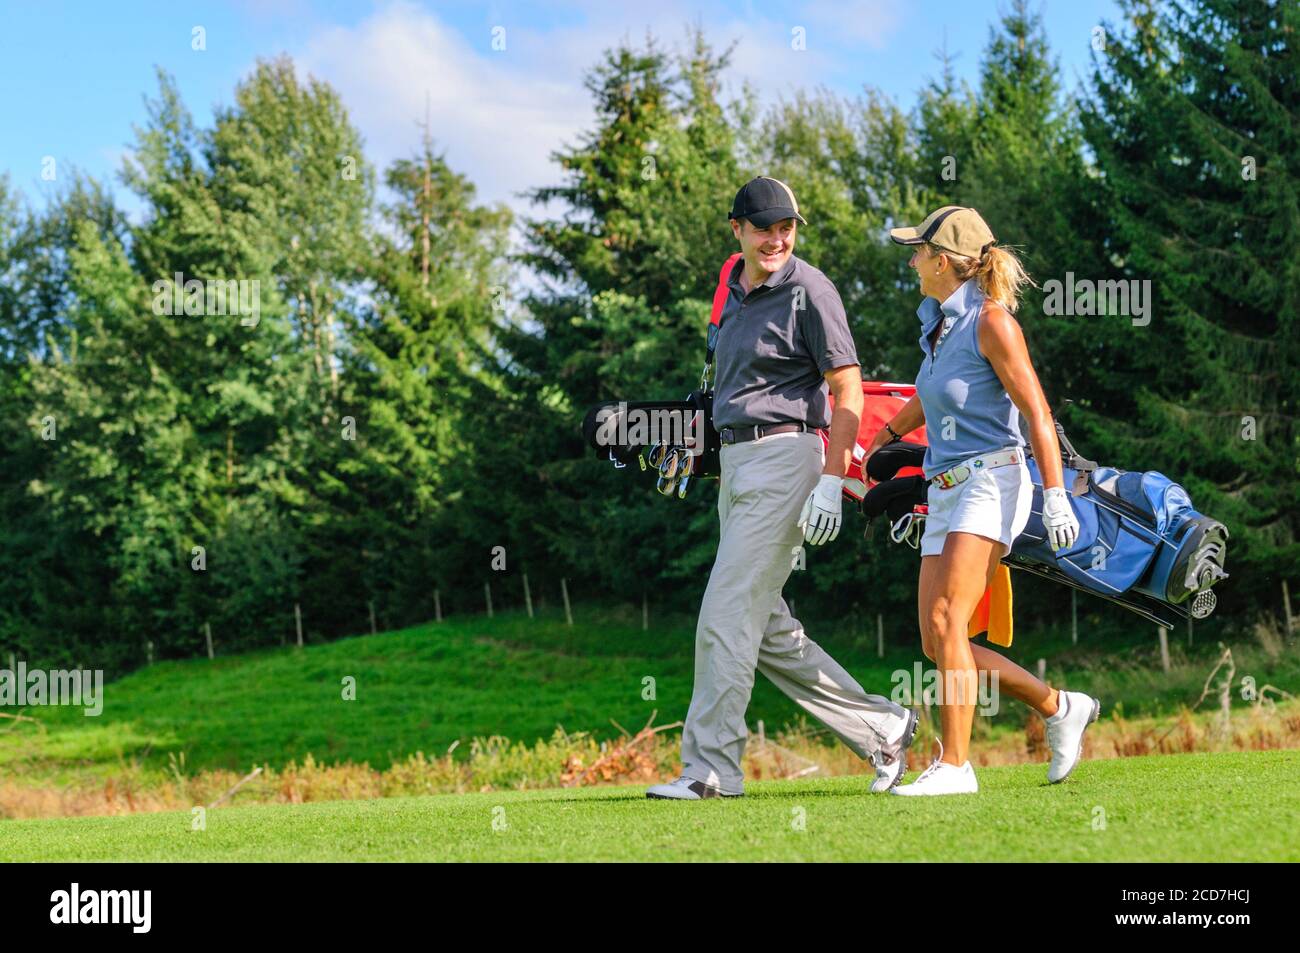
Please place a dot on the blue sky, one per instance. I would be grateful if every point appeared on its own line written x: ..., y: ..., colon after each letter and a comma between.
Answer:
x: 74, y: 74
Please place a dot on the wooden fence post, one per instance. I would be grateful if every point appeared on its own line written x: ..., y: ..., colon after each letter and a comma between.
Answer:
x: 297, y: 621
x: 487, y: 592
x: 564, y: 590
x: 1074, y: 616
x: 1164, y: 649
x: 528, y: 596
x: 207, y: 631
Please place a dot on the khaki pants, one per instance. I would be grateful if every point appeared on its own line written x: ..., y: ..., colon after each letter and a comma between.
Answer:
x: 745, y: 624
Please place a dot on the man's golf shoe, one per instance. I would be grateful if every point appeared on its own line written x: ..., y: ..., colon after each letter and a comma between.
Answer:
x: 685, y: 789
x: 941, y: 778
x: 892, y: 765
x: 1065, y: 732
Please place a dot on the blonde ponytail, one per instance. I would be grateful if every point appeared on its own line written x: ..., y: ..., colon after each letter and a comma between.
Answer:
x: 998, y: 272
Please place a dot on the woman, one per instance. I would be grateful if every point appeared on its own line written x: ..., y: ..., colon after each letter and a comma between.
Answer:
x: 975, y: 376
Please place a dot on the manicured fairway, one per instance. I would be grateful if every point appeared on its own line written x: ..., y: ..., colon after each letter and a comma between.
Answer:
x: 1233, y: 806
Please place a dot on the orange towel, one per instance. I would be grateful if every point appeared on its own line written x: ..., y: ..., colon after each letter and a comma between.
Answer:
x: 994, y: 610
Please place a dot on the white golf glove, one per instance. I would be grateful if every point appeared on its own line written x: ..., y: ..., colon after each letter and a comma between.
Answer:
x: 1058, y: 518
x: 820, y: 519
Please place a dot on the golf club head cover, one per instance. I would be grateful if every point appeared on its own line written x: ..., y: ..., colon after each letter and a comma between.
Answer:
x: 894, y: 498
x: 889, y: 459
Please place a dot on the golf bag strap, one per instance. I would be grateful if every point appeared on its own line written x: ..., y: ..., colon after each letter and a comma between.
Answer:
x: 720, y: 294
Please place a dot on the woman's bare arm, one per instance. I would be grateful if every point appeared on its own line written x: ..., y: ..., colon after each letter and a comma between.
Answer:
x: 909, y: 417
x: 1003, y: 343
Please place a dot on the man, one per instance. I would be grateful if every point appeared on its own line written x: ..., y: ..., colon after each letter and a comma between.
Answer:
x: 783, y: 345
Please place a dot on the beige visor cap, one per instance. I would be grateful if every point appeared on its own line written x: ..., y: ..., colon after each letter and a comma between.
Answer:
x: 953, y: 228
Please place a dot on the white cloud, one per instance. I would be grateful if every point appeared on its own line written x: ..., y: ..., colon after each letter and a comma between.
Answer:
x: 870, y: 22
x: 496, y: 122
x: 500, y: 115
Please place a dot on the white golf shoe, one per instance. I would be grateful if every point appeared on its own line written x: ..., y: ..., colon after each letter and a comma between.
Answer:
x: 1065, y: 732
x: 941, y: 778
x: 685, y: 789
x: 891, y: 767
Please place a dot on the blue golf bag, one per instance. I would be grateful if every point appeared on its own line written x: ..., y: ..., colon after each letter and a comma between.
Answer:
x: 1141, y: 542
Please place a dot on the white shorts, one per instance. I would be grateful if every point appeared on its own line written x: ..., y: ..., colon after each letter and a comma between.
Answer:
x: 992, y: 503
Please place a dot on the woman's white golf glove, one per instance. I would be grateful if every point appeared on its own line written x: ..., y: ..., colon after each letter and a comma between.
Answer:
x: 820, y: 519
x: 1058, y: 518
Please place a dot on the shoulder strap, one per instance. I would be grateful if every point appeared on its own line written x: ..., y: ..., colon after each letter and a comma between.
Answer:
x: 720, y: 294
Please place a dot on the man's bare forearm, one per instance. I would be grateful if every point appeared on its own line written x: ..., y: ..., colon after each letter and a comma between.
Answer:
x: 845, y: 420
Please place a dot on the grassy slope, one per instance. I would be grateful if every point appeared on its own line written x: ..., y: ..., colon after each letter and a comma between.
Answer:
x: 1224, y: 807
x: 417, y: 689
x: 425, y: 687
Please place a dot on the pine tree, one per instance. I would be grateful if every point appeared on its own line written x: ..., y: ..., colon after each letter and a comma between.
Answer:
x: 630, y: 265
x: 946, y: 120
x: 1195, y: 123
x: 51, y: 574
x: 1029, y: 178
x: 121, y: 468
x: 421, y: 373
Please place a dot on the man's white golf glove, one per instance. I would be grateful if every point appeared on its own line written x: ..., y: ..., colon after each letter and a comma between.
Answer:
x: 820, y: 519
x: 1058, y: 518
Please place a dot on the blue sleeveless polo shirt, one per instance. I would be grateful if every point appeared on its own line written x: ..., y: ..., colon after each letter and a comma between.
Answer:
x: 961, y: 395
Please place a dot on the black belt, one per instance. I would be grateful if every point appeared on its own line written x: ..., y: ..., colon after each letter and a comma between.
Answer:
x: 743, y: 434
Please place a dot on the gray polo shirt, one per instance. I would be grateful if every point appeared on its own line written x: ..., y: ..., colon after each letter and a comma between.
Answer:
x: 774, y: 345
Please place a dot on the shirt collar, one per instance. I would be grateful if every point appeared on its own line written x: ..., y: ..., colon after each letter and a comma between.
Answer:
x: 931, y: 312
x: 781, y: 276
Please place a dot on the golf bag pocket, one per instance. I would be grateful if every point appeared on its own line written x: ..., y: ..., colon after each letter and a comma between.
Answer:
x: 1139, y: 536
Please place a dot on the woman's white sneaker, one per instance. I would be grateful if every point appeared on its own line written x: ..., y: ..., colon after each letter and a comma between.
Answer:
x: 941, y: 778
x: 1065, y: 732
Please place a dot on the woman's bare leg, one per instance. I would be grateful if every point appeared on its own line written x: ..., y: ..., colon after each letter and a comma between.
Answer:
x: 1012, y: 678
x: 960, y: 577
x: 1016, y: 682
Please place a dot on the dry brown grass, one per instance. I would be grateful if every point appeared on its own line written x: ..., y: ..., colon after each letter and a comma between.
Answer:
x: 648, y: 756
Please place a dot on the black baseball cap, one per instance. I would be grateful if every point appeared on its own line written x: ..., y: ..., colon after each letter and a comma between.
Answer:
x: 765, y: 200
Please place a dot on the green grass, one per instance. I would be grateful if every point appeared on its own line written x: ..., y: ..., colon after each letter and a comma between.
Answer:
x: 421, y: 689
x: 1236, y: 806
x: 416, y: 689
